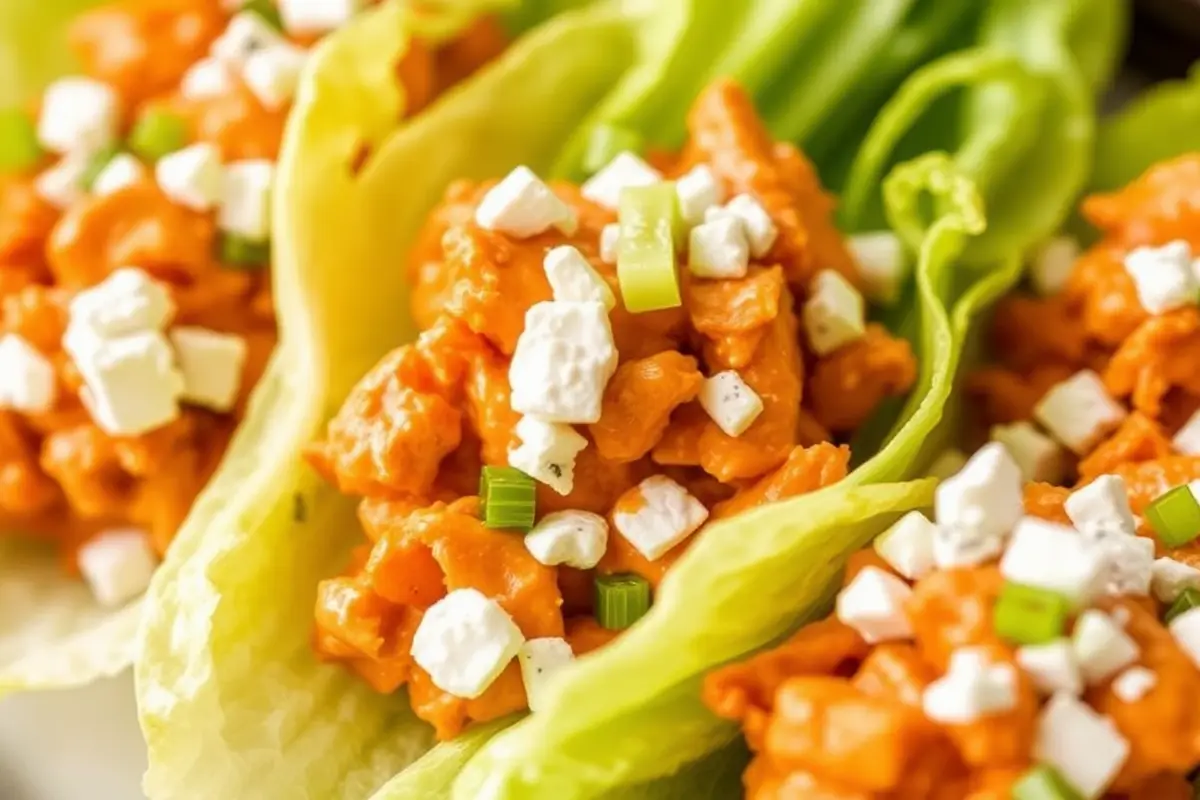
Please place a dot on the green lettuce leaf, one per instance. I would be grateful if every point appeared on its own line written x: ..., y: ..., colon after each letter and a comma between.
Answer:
x: 33, y: 47
x: 1162, y: 123
x: 232, y: 701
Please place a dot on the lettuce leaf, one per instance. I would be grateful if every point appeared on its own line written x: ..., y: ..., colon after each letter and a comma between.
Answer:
x: 33, y: 47
x: 1162, y: 123
x: 232, y: 701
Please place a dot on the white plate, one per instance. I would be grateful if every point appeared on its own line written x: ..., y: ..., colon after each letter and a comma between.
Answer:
x: 82, y: 744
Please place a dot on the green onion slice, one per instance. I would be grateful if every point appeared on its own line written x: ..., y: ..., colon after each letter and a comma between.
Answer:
x: 96, y: 164
x: 1175, y: 516
x: 238, y: 251
x: 19, y: 148
x: 508, y: 498
x: 265, y: 9
x: 157, y: 133
x: 1029, y: 615
x: 606, y: 143
x: 1187, y: 600
x: 646, y: 267
x: 621, y: 600
x: 1043, y: 783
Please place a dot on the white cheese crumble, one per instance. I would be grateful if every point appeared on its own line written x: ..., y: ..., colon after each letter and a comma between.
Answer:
x: 698, y: 191
x: 873, y: 604
x: 211, y: 363
x: 625, y: 170
x: 562, y: 362
x: 204, y: 79
x: 834, y: 314
x: 1079, y: 411
x: 972, y: 688
x: 610, y: 242
x: 1169, y: 578
x: 464, y: 641
x: 61, y: 185
x: 246, y: 34
x: 667, y: 515
x: 575, y: 538
x: 1039, y: 457
x: 273, y: 74
x: 307, y: 17
x: 881, y: 264
x: 127, y: 301
x: 719, y: 249
x: 122, y: 170
x: 522, y: 205
x: 131, y: 383
x: 117, y: 565
x: 27, y: 378
x: 573, y: 278
x: 547, y: 452
x: 1053, y: 557
x: 192, y: 177
x: 1187, y: 438
x: 1052, y: 265
x: 1163, y: 276
x: 985, y: 496
x: 246, y: 199
x: 1051, y: 667
x: 78, y: 114
x: 730, y: 402
x: 541, y: 660
x: 1102, y: 507
x: 1101, y: 646
x: 1083, y: 747
x: 760, y: 228
x: 1134, y: 683
x: 1186, y: 630
x: 907, y: 546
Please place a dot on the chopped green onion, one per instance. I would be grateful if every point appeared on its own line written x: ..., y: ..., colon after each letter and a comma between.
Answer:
x: 265, y: 9
x: 157, y: 133
x: 508, y: 498
x: 606, y: 143
x: 238, y: 251
x: 1043, y: 783
x: 1188, y: 599
x: 96, y: 165
x: 646, y: 267
x: 1175, y: 516
x: 621, y: 600
x: 19, y: 148
x: 1029, y: 615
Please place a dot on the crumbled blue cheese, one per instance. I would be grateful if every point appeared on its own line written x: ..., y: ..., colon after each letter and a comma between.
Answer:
x: 522, y: 205
x: 547, y: 452
x: 308, y: 17
x: 626, y: 170
x: 1051, y: 667
x: 873, y: 603
x: 541, y: 660
x: 573, y: 278
x: 273, y: 74
x: 117, y: 565
x: 246, y: 34
x: 575, y: 538
x: 730, y: 402
x: 881, y: 264
x: 131, y: 383
x: 122, y: 170
x: 1170, y: 577
x: 27, y: 378
x: 562, y: 362
x: 760, y: 228
x: 977, y: 507
x: 78, y: 115
x: 246, y: 199
x: 1039, y: 457
x: 211, y: 363
x: 907, y: 546
x: 972, y: 688
x: 834, y: 314
x: 61, y: 185
x: 719, y: 249
x: 464, y: 641
x: 127, y: 301
x: 192, y: 177
x: 1163, y: 276
x: 1079, y: 412
x: 1053, y: 557
x: 1083, y: 747
x: 1101, y: 646
x: 698, y: 191
x: 667, y: 515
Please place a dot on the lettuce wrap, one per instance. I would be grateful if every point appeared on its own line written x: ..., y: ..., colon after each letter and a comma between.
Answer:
x: 233, y: 701
x: 53, y: 632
